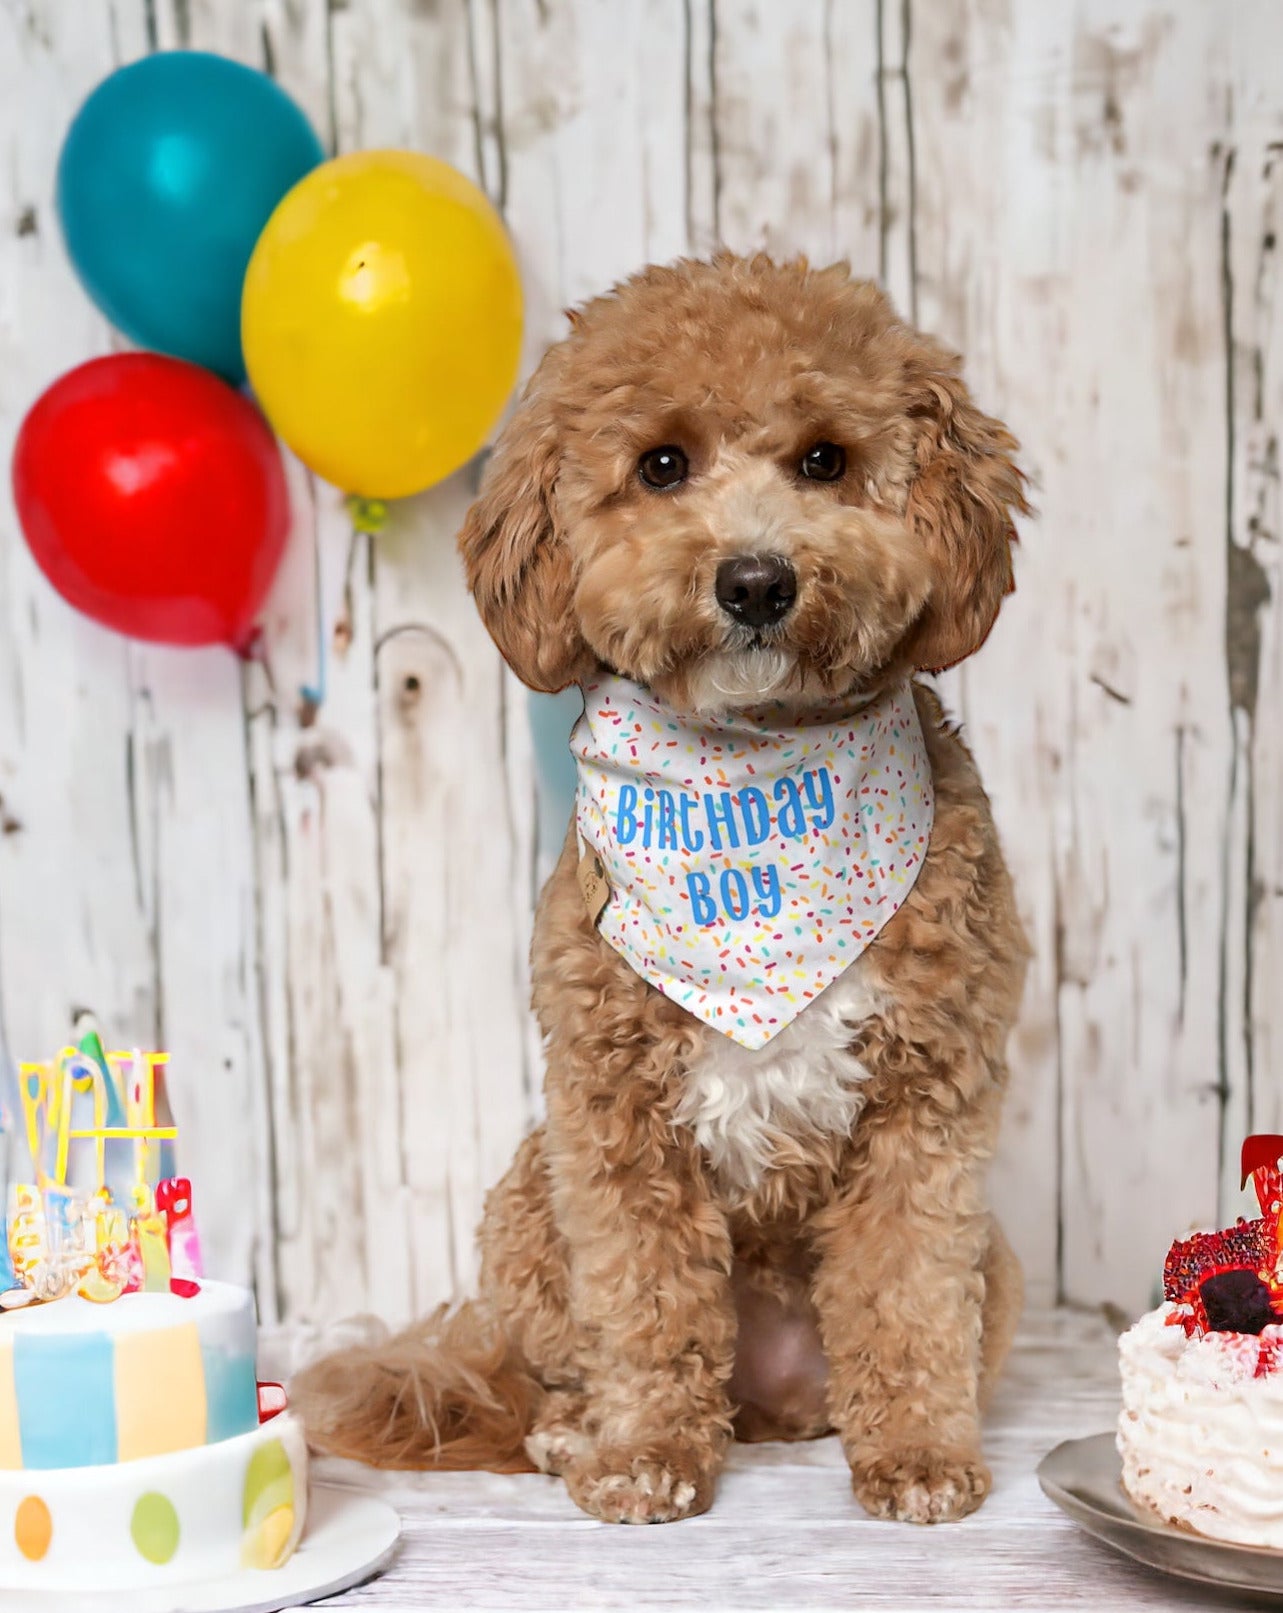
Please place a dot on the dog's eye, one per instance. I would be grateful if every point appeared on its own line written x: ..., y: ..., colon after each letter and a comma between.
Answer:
x: 826, y: 462
x: 663, y: 467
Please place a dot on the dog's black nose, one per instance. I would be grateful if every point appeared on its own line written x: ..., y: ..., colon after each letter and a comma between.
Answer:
x: 756, y: 589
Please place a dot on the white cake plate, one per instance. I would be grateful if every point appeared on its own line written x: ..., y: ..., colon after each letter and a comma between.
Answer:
x: 349, y: 1537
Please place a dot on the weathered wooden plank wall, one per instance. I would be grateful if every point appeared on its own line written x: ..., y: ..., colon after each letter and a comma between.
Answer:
x: 325, y: 912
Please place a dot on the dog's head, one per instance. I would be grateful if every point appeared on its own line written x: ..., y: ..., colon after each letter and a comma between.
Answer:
x: 737, y: 481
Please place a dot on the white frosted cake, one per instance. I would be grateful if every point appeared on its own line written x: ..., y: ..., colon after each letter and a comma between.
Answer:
x: 1201, y: 1427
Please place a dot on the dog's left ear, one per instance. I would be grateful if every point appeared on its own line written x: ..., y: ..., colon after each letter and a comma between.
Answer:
x: 961, y: 505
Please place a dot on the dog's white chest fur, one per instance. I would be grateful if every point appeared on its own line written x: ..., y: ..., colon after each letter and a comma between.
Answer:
x: 805, y: 1080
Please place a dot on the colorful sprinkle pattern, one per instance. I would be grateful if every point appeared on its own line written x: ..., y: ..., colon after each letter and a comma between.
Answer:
x: 750, y: 864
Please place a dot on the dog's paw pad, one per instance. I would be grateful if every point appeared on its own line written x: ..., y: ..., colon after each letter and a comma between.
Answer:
x: 921, y: 1486
x: 641, y: 1490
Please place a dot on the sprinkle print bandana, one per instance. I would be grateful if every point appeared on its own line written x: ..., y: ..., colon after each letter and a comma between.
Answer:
x: 746, y: 866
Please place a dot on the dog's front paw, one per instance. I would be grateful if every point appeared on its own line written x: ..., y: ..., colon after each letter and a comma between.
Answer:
x: 921, y: 1485
x: 657, y: 1485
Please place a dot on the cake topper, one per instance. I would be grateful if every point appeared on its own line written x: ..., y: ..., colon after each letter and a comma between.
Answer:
x: 111, y: 1234
x: 1260, y: 1159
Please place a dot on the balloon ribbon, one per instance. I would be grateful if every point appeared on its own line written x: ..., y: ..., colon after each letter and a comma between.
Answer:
x: 370, y: 516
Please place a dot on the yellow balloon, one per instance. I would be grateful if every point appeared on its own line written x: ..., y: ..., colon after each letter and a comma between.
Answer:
x: 381, y: 321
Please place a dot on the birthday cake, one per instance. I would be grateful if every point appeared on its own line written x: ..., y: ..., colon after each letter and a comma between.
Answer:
x: 1201, y: 1427
x: 136, y: 1445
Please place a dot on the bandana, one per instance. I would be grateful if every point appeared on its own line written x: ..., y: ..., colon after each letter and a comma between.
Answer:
x: 740, y: 866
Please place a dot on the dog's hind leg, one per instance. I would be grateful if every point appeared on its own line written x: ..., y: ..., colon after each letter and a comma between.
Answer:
x: 1003, y: 1302
x: 525, y: 1278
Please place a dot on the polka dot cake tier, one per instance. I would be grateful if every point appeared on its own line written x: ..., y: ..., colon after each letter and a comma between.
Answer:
x: 187, y: 1517
x: 137, y: 1447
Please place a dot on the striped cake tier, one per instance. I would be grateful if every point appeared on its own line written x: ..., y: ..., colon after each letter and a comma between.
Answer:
x: 83, y: 1384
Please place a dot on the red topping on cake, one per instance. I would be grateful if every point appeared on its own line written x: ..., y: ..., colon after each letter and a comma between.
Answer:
x: 1270, y: 1358
x: 1247, y: 1246
x: 1195, y: 1274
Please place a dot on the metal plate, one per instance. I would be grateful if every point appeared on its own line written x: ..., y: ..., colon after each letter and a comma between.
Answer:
x: 1084, y: 1477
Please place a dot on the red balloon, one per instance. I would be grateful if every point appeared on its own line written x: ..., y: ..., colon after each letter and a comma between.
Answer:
x: 153, y: 498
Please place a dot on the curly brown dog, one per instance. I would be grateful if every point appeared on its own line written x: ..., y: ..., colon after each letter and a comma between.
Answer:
x: 739, y: 484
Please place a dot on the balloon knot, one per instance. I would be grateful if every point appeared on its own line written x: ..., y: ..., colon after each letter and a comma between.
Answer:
x: 251, y: 645
x: 368, y: 514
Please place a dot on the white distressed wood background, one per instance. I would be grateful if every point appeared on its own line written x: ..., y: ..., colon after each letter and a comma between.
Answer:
x: 325, y: 915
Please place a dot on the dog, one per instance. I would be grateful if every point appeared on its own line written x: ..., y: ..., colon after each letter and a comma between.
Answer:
x: 741, y: 503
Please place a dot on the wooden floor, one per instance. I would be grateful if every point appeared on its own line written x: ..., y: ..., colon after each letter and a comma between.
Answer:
x: 784, y: 1531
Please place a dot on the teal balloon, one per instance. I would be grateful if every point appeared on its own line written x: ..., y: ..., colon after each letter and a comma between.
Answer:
x: 167, y: 176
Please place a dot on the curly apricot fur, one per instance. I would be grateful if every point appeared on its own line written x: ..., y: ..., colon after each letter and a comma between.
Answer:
x: 618, y: 1269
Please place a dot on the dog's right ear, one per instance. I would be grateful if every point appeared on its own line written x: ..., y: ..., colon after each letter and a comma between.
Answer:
x: 518, y: 568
